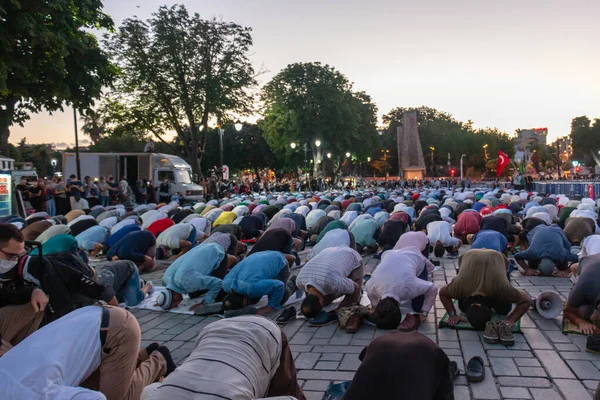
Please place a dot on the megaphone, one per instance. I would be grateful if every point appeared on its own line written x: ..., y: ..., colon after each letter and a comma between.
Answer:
x: 548, y: 305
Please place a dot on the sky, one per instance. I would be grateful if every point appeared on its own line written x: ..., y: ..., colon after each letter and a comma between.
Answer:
x: 504, y: 64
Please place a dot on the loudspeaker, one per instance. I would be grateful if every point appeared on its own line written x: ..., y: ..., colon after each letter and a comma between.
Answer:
x: 548, y: 305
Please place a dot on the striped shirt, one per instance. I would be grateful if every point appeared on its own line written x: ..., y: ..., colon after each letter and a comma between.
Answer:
x: 286, y: 224
x: 329, y: 270
x: 222, y: 238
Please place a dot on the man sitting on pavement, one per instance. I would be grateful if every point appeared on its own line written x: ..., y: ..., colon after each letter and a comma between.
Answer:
x: 202, y: 269
x: 401, y: 275
x: 439, y: 234
x: 480, y: 286
x: 93, y: 349
x: 21, y: 304
x: 334, y: 272
x: 583, y: 305
x: 548, y: 247
x: 246, y: 357
x: 175, y: 240
x: 266, y: 273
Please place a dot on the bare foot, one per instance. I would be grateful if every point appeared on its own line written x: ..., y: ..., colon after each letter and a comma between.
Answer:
x: 146, y: 288
x: 561, y: 274
x: 115, y: 258
x: 531, y: 272
x: 192, y: 308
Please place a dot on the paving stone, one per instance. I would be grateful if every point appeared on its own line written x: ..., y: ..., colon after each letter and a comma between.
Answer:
x: 485, y: 389
x: 447, y: 334
x: 318, y: 342
x: 327, y: 365
x: 349, y: 363
x: 558, y: 337
x: 177, y: 329
x: 301, y: 348
x: 332, y: 357
x: 566, y: 347
x: 365, y: 332
x: 162, y: 338
x: 584, y: 369
x: 555, y: 366
x: 533, y: 371
x: 314, y: 395
x: 591, y: 385
x: 515, y: 393
x: 536, y: 339
x: 325, y: 332
x: 471, y: 349
x: 338, y: 349
x: 504, y: 366
x: 315, y: 385
x: 572, y: 389
x: 545, y: 394
x: 180, y: 354
x: 360, y: 342
x: 527, y: 362
x: 340, y: 338
x: 448, y: 345
x: 547, y: 325
x: 307, y: 360
x: 581, y: 355
x: 468, y: 335
x: 510, y: 353
x: 462, y: 393
x: 151, y: 333
x: 190, y: 333
x: 452, y: 352
x: 174, y: 345
x: 301, y: 338
x: 523, y: 382
x: 326, y: 375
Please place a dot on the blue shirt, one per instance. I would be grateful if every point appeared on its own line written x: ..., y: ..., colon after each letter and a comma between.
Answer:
x: 92, y: 235
x: 191, y: 272
x: 547, y: 241
x: 118, y: 235
x: 255, y: 277
x: 488, y: 239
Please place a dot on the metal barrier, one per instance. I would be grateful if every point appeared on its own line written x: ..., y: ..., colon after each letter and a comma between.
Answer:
x: 568, y: 188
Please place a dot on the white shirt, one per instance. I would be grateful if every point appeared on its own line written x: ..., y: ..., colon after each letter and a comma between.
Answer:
x: 202, y: 226
x: 151, y: 216
x: 441, y: 231
x: 233, y: 359
x: 80, y: 218
x: 590, y: 246
x: 171, y: 236
x: 333, y: 238
x: 121, y: 224
x: 109, y: 222
x: 397, y: 276
x: 329, y: 270
x: 304, y: 210
x: 52, y: 362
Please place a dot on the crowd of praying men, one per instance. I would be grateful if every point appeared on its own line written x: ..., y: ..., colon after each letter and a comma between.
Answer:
x: 65, y: 331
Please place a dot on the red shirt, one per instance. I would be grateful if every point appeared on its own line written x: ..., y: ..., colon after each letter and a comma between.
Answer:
x: 159, y: 226
x: 467, y: 224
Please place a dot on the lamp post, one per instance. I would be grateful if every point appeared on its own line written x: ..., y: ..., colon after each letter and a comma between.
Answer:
x: 485, y: 153
x: 54, y: 163
x: 77, y: 161
x: 238, y: 127
x: 431, y: 153
x: 461, y: 166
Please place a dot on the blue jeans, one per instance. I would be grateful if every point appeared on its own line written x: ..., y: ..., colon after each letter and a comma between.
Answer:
x: 51, y: 207
x: 104, y: 201
x: 130, y: 293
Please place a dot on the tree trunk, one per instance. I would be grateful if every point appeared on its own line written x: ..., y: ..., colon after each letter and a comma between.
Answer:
x: 6, y: 116
x: 257, y: 174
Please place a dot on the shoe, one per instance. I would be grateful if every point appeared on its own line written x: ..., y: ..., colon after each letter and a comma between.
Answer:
x: 248, y: 310
x: 151, y: 291
x: 454, y: 371
x: 297, y: 257
x: 475, y: 370
x: 411, y: 322
x: 593, y: 344
x: 166, y: 353
x: 286, y: 316
x: 506, y: 336
x: 491, y: 335
x: 324, y: 318
x: 209, y: 309
x: 354, y: 323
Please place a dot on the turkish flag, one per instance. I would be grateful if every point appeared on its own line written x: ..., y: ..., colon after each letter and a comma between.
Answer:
x: 591, y: 194
x: 502, y: 162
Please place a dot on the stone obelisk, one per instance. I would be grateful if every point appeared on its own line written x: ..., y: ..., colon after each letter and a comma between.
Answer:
x: 410, y: 154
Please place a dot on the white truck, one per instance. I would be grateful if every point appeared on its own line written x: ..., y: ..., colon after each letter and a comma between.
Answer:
x: 134, y: 166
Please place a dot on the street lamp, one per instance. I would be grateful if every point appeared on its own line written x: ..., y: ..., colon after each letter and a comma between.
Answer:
x: 348, y: 154
x: 238, y: 125
x: 485, y: 146
x: 328, y: 155
x: 432, y: 150
x: 368, y: 159
x: 54, y: 163
x: 293, y: 145
x: 317, y: 143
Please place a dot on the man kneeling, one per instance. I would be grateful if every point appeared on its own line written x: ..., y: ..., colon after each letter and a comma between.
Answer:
x: 583, y: 305
x: 246, y: 357
x: 480, y: 286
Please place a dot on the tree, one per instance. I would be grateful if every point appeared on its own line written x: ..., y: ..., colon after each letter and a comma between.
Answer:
x: 93, y: 125
x: 306, y: 102
x: 585, y: 139
x: 180, y: 71
x: 49, y: 57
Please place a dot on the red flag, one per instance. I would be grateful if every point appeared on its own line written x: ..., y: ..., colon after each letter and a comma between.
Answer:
x: 591, y: 193
x: 502, y: 162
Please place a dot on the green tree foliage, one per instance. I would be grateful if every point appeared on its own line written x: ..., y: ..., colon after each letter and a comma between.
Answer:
x: 443, y: 132
x: 49, y: 57
x: 40, y: 155
x: 306, y: 102
x: 585, y: 139
x: 180, y: 71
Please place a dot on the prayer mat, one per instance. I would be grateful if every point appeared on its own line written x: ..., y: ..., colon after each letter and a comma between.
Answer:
x: 335, y: 391
x: 465, y: 325
x: 569, y: 327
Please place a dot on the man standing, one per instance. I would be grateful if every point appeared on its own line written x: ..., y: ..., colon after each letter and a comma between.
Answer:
x: 21, y: 305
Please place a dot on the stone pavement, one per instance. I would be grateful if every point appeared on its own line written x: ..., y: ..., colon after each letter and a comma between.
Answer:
x: 543, y: 364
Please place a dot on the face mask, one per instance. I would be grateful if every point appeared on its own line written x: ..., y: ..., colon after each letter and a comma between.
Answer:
x: 7, y: 265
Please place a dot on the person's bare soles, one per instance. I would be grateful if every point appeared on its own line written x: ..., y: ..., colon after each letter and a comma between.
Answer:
x: 561, y: 274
